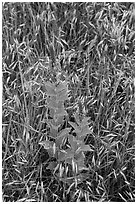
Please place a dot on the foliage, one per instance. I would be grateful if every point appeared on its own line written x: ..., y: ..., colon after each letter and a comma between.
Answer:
x: 60, y: 144
x: 68, y: 101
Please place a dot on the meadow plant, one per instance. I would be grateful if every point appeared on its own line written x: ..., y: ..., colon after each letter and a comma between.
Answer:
x: 68, y: 104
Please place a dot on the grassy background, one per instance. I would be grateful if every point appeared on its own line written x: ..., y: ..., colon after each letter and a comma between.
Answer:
x: 93, y: 46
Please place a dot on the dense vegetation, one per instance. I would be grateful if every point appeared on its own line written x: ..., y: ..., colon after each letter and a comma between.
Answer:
x: 86, y: 51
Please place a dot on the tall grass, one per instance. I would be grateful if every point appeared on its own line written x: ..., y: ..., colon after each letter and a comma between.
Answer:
x: 92, y: 47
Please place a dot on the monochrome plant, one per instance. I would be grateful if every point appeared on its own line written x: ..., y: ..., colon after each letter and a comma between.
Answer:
x: 68, y: 101
x: 68, y: 149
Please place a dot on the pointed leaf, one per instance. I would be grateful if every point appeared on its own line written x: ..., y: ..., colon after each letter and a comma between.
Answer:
x: 52, y: 104
x: 61, y: 86
x: 60, y: 112
x: 69, y: 154
x: 79, y: 137
x: 57, y: 124
x: 52, y: 165
x: 64, y: 155
x: 61, y: 95
x: 76, y: 115
x: 85, y: 148
x: 50, y: 89
x: 50, y: 146
x: 47, y: 144
x: 61, y: 139
x: 51, y: 112
x: 75, y: 126
x: 73, y: 142
x: 79, y: 156
x: 60, y: 120
x: 85, y: 130
x: 61, y: 104
x: 82, y: 167
x: 85, y: 121
x: 53, y: 151
x: 48, y: 83
x: 64, y: 132
x: 55, y: 127
x: 69, y: 161
x: 62, y: 136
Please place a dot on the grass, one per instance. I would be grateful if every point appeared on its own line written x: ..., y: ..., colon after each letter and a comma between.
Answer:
x: 92, y: 46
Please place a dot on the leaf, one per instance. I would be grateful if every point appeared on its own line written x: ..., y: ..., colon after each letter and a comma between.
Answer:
x: 53, y: 133
x: 74, y: 125
x: 52, y: 165
x: 80, y: 131
x: 76, y: 115
x: 61, y: 139
x: 81, y: 159
x: 50, y: 89
x: 47, y: 144
x: 50, y: 146
x: 82, y: 167
x: 60, y: 112
x: 85, y: 148
x: 52, y: 104
x: 85, y: 130
x: 52, y: 153
x: 73, y: 142
x: 61, y: 104
x: 61, y: 95
x: 64, y: 155
x: 69, y: 161
x: 79, y: 155
x: 61, y: 86
x: 62, y: 136
x: 50, y: 123
x: 76, y: 146
x: 64, y: 132
x: 85, y: 121
x: 53, y: 129
x: 69, y: 154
